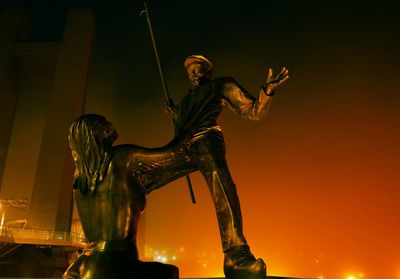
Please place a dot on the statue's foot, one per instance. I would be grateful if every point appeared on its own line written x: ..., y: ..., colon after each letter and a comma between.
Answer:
x: 239, y: 263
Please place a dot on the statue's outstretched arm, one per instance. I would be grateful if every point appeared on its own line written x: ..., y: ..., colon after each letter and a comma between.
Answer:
x: 246, y: 105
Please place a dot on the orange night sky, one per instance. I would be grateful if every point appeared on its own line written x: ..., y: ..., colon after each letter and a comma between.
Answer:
x: 319, y: 178
x: 318, y: 182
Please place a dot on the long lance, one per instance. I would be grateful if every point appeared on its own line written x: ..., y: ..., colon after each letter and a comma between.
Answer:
x: 166, y: 94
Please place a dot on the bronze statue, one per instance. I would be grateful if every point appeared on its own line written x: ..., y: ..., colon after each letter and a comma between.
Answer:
x: 111, y: 182
x: 110, y: 192
x: 196, y: 115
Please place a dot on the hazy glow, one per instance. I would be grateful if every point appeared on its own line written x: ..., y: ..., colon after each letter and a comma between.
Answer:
x: 358, y: 276
x: 2, y: 214
x: 318, y: 179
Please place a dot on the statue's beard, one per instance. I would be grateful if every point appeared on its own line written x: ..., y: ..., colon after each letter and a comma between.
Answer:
x: 199, y: 80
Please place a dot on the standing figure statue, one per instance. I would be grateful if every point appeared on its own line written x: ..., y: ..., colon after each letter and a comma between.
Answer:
x: 196, y: 115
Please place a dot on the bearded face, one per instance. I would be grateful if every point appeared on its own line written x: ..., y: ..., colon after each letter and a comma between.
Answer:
x: 198, y: 73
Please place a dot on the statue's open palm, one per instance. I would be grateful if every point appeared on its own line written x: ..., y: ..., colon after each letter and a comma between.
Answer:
x: 274, y: 82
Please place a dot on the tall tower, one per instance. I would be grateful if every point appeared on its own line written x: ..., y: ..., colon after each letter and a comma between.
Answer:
x: 42, y: 90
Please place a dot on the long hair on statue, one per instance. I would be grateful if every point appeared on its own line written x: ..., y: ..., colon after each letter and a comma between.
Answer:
x: 91, y: 148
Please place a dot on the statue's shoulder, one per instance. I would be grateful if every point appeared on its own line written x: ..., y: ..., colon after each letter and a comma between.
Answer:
x: 225, y: 84
x: 124, y: 152
x: 224, y: 81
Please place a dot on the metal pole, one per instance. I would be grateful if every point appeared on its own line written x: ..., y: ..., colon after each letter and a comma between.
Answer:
x: 166, y: 93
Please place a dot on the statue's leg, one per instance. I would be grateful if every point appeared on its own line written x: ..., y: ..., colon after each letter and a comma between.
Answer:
x: 209, y: 154
x: 159, y: 166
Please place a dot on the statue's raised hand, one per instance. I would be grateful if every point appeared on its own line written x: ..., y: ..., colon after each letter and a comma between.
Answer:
x: 274, y: 82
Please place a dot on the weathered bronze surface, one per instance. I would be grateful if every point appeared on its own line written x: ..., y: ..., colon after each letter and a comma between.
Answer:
x: 111, y: 182
x: 110, y: 193
x: 196, y: 116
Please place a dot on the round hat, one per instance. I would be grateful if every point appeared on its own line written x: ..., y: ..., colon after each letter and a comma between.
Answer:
x: 198, y: 59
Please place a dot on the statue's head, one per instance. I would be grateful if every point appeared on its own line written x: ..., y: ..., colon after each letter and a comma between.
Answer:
x: 90, y: 139
x: 199, y: 69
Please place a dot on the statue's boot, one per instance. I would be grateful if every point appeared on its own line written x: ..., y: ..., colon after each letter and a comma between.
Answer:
x: 239, y: 263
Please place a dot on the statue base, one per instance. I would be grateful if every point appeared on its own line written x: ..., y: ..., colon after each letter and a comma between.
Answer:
x: 152, y: 270
x: 267, y: 277
x: 110, y: 269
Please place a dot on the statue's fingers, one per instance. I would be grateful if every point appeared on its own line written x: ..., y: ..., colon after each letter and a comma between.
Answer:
x: 269, y: 75
x: 280, y: 76
x: 284, y: 71
x: 284, y: 79
x: 279, y: 81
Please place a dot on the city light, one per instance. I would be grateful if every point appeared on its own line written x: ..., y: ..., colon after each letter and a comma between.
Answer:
x: 163, y: 256
x: 2, y: 215
x: 358, y: 276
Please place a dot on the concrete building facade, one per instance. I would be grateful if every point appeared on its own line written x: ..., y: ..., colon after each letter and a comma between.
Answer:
x: 42, y: 90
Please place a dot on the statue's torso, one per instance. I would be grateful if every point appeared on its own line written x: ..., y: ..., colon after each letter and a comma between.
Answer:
x: 112, y: 213
x: 200, y: 108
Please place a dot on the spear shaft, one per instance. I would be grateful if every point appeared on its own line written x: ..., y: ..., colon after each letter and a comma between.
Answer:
x: 153, y: 40
x: 166, y: 93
